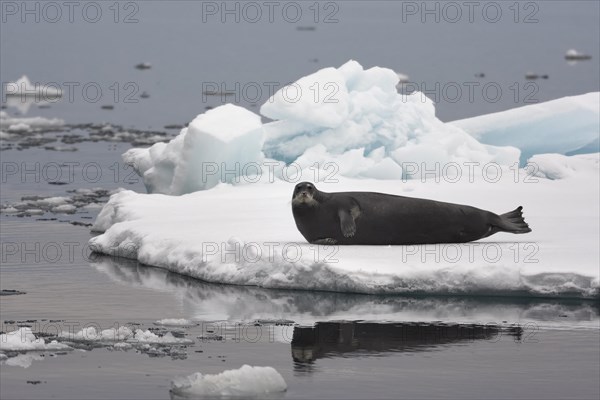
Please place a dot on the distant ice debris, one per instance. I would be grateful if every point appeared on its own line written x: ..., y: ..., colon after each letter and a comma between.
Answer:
x: 246, y: 381
x: 144, y: 65
x: 23, y: 339
x: 86, y: 199
x: 574, y: 55
x: 28, y: 124
x: 531, y: 76
x: 123, y: 334
x: 558, y: 126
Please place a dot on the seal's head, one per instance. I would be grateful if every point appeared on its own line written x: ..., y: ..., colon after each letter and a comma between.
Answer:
x: 305, y: 194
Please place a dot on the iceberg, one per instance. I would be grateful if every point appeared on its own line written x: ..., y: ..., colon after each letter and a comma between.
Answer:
x: 346, y: 120
x: 570, y: 125
x: 349, y: 110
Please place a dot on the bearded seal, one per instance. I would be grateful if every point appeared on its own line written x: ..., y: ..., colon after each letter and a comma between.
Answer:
x: 368, y: 218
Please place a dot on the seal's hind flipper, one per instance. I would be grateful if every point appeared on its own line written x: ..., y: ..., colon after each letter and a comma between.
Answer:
x: 513, y: 222
x: 347, y: 224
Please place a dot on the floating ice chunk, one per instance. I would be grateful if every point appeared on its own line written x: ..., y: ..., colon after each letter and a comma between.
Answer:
x: 64, y: 208
x: 557, y: 126
x: 123, y: 334
x: 53, y: 201
x: 122, y: 346
x: 90, y: 334
x: 179, y: 322
x: 150, y: 337
x: 93, y: 206
x: 246, y: 381
x: 222, y: 140
x: 23, y: 339
x: 19, y: 127
x: 34, y: 211
x: 34, y: 123
x: 574, y: 55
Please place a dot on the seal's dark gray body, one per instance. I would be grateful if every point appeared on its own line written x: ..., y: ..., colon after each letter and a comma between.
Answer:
x: 369, y: 218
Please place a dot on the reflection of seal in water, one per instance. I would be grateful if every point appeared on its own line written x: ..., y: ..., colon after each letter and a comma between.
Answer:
x: 377, y: 218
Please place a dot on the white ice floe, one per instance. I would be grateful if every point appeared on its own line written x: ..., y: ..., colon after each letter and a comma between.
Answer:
x: 246, y: 235
x: 567, y: 125
x: 358, y: 123
x: 123, y: 334
x: 175, y: 322
x: 245, y: 381
x: 23, y: 339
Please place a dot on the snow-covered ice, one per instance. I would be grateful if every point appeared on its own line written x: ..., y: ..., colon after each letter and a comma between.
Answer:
x: 567, y: 125
x: 245, y: 381
x: 246, y: 235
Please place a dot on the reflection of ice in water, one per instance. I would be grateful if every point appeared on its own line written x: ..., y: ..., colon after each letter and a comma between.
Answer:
x: 214, y: 302
x: 23, y: 104
x: 22, y: 94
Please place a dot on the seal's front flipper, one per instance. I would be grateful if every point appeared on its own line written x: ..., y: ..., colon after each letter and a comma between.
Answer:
x: 347, y: 223
x: 326, y: 241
